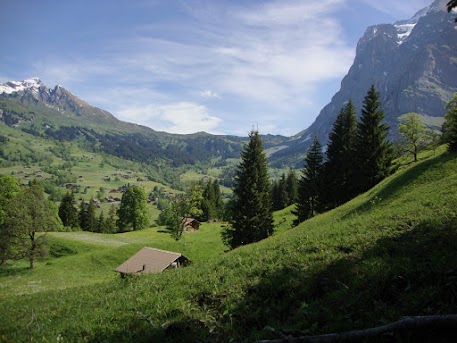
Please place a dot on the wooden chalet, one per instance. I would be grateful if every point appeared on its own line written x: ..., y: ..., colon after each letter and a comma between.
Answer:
x: 190, y: 224
x: 151, y: 260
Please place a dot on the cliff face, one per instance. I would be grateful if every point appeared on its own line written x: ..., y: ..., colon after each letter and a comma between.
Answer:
x: 413, y: 65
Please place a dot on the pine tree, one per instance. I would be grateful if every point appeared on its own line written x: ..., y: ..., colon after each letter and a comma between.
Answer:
x: 276, y: 196
x: 253, y: 219
x: 292, y: 187
x: 110, y: 222
x: 82, y: 215
x: 91, y: 218
x: 339, y: 167
x: 310, y: 184
x: 374, y: 153
x: 68, y: 212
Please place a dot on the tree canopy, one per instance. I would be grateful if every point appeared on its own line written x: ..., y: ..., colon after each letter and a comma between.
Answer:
x: 29, y: 217
x: 450, y: 125
x: 133, y: 213
x: 414, y: 133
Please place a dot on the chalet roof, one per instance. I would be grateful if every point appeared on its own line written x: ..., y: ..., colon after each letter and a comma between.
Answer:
x: 189, y: 221
x: 149, y: 260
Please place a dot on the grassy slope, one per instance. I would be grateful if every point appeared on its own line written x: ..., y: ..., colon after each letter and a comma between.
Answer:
x: 388, y: 253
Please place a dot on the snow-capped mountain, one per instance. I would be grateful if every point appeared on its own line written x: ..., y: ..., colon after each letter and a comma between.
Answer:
x: 19, y: 86
x: 58, y: 98
x: 413, y: 65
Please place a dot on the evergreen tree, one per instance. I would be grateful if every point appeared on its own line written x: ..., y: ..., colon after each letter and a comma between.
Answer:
x: 212, y: 204
x: 253, y: 219
x: 450, y: 125
x: 68, y: 212
x: 82, y: 215
x: 133, y: 213
x: 339, y: 167
x: 292, y: 187
x: 374, y: 153
x: 276, y: 196
x: 101, y: 224
x: 91, y: 218
x: 283, y: 191
x: 110, y: 222
x: 310, y: 184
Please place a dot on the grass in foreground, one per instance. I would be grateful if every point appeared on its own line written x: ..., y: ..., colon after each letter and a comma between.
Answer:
x: 388, y: 253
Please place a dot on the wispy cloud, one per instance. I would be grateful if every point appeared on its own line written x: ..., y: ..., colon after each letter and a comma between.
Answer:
x: 260, y: 57
x: 182, y: 117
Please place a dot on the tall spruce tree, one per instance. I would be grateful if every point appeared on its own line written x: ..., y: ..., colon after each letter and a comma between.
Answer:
x: 310, y: 184
x: 292, y: 187
x: 339, y: 166
x: 68, y: 212
x: 374, y: 153
x: 252, y: 220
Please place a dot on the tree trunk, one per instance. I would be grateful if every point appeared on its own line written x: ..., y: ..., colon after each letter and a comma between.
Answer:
x: 32, y: 251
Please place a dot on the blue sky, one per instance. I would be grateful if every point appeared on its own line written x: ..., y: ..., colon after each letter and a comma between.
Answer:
x: 182, y: 66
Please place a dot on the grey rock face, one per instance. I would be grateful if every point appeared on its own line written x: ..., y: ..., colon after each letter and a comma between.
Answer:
x: 413, y: 65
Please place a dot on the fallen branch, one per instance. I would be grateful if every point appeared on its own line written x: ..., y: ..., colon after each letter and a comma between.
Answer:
x: 406, y: 323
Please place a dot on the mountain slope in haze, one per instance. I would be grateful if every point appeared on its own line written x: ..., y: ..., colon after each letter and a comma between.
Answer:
x: 58, y: 114
x: 412, y: 63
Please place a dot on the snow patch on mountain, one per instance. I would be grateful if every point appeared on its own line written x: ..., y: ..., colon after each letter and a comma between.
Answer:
x: 16, y: 86
x: 405, y: 27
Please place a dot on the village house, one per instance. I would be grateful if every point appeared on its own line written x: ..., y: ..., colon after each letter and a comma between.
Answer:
x: 151, y: 260
x: 190, y: 224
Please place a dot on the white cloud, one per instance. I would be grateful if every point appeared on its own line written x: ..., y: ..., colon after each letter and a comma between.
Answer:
x: 182, y: 117
x: 208, y: 93
x: 263, y: 57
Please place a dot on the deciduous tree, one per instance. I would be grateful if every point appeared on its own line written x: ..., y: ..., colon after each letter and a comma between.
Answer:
x: 450, y: 125
x: 415, y: 134
x: 9, y: 188
x: 29, y: 217
x: 133, y: 213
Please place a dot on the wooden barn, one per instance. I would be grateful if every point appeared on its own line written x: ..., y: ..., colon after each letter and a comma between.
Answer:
x: 151, y: 260
x: 190, y: 224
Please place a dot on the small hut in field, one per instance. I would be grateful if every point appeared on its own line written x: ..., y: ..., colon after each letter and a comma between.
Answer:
x: 190, y: 224
x: 151, y: 260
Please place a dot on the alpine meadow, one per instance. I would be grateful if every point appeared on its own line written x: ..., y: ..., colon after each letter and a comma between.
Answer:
x: 118, y: 230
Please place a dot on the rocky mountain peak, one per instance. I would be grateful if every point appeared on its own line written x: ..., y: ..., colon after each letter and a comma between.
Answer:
x: 20, y: 86
x: 412, y: 65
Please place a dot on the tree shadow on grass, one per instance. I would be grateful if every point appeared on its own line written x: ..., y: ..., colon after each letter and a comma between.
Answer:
x: 140, y: 329
x: 412, y: 274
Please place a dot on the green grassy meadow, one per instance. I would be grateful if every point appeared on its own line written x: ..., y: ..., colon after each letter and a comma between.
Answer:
x: 388, y: 253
